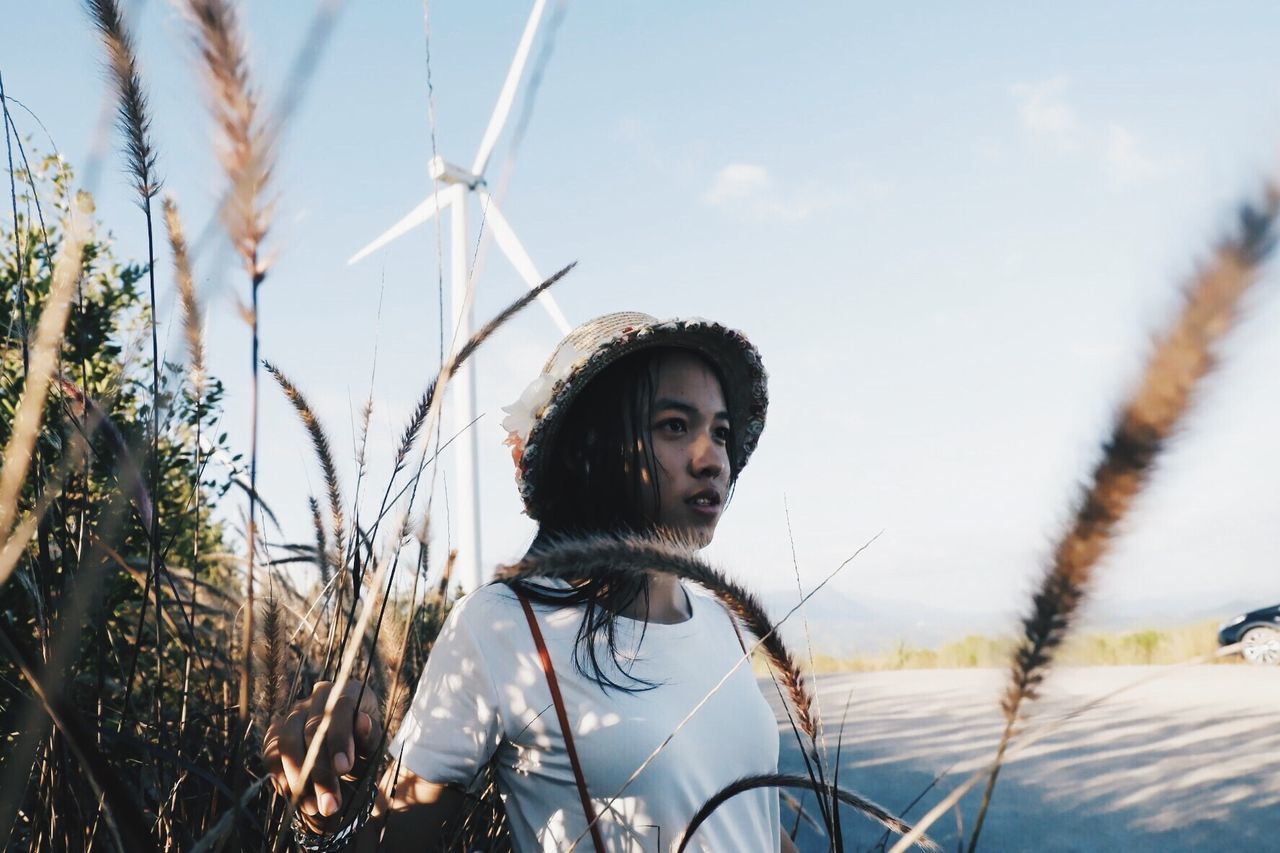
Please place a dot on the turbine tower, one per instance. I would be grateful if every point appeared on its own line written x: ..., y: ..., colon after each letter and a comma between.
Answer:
x: 454, y: 186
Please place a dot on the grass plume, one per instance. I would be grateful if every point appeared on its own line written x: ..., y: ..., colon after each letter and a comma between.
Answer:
x: 324, y: 453
x: 192, y: 315
x: 274, y: 649
x: 243, y: 143
x: 783, y: 780
x: 322, y: 540
x: 134, y: 124
x: 1183, y: 354
x: 414, y: 428
x: 132, y: 117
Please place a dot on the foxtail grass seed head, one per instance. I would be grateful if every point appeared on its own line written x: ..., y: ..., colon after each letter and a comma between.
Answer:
x: 192, y: 314
x: 132, y: 116
x: 1183, y: 354
x: 244, y: 146
x: 324, y: 453
x: 784, y: 780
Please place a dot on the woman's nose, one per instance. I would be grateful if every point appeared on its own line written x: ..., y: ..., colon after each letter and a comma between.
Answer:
x: 706, y: 457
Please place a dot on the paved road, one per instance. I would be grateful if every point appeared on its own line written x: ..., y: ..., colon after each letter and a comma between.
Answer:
x: 1188, y: 761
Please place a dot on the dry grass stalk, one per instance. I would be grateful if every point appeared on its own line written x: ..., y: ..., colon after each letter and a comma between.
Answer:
x: 132, y: 117
x: 1184, y: 353
x: 192, y: 316
x: 42, y: 368
x: 414, y: 428
x: 243, y: 144
x: 783, y: 780
x: 319, y: 443
x: 134, y: 124
x: 274, y: 648
x: 124, y: 819
x: 77, y: 453
x: 192, y: 326
x: 322, y: 541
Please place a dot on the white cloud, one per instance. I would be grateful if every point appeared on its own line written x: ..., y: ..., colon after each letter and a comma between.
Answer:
x: 738, y: 182
x: 747, y: 189
x: 1045, y: 112
x: 1047, y: 115
x: 1126, y: 160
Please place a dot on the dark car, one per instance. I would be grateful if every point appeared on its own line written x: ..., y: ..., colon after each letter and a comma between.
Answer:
x: 1258, y: 632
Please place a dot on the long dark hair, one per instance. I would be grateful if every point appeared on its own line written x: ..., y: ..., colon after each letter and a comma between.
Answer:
x: 602, y: 466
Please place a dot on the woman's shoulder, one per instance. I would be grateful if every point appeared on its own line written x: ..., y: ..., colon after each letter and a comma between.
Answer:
x: 491, y: 619
x: 481, y: 623
x: 484, y: 602
x: 497, y: 600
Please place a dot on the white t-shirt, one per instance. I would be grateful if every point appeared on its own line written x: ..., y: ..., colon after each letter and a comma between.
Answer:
x: 484, y: 690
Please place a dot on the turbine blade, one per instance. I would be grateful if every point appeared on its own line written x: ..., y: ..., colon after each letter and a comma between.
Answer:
x: 510, y: 245
x: 508, y: 93
x: 432, y: 206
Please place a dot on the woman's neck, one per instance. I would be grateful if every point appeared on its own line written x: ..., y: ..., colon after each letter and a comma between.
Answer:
x: 667, y: 602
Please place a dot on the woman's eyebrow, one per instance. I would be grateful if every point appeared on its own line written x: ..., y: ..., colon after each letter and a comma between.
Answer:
x: 686, y: 408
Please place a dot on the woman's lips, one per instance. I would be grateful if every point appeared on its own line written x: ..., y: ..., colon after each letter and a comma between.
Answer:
x: 705, y: 505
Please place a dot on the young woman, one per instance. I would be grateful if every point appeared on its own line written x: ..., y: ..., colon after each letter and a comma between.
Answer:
x: 634, y: 425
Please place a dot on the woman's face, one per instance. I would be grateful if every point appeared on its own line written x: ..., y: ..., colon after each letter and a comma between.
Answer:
x: 689, y: 425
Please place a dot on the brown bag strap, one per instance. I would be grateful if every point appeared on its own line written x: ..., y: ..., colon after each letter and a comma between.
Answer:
x: 550, y: 671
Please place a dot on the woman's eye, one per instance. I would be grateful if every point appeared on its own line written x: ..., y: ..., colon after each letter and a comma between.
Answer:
x: 672, y: 425
x: 721, y: 434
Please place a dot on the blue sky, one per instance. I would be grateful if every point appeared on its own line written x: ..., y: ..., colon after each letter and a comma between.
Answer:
x: 950, y: 228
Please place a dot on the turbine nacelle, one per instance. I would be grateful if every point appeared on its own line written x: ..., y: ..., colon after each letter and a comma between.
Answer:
x: 447, y: 173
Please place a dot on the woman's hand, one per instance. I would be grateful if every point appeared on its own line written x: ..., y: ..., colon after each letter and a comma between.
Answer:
x: 353, y: 735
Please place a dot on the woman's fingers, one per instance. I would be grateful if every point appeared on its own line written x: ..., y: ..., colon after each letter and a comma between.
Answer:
x: 271, y: 756
x: 339, y: 741
x: 292, y: 749
x: 337, y: 756
x: 365, y: 735
x: 350, y: 738
x: 368, y: 734
x: 326, y: 790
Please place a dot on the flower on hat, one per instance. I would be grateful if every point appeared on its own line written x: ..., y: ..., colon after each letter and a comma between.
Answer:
x: 524, y: 412
x: 516, y: 443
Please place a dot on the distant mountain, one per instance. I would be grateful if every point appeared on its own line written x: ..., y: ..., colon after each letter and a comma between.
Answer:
x: 843, y: 626
x: 1129, y: 615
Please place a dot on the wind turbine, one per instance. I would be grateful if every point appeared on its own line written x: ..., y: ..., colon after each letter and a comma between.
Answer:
x: 453, y: 188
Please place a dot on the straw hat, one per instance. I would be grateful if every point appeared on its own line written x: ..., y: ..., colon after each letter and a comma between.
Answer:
x: 533, y: 421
